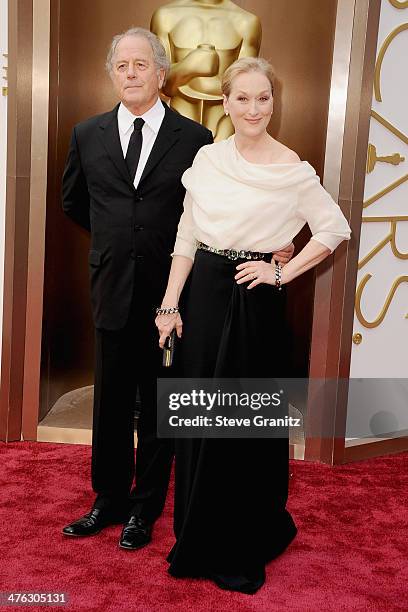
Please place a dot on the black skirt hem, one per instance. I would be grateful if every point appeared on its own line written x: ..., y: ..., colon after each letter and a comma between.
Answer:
x: 247, y: 583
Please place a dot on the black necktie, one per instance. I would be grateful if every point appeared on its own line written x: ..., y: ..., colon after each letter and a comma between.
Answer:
x: 134, y: 147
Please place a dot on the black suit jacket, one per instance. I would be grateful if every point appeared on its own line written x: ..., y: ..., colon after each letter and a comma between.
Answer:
x: 128, y: 225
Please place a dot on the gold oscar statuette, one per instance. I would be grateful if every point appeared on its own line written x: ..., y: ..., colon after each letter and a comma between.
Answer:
x: 202, y: 38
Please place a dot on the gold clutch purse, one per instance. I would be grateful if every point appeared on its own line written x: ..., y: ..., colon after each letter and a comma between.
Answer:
x: 168, y: 349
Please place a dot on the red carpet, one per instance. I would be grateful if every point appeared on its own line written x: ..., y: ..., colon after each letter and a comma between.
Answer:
x: 351, y: 552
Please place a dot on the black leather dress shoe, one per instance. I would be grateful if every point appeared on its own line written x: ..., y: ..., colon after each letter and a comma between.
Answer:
x: 136, y: 534
x: 93, y: 522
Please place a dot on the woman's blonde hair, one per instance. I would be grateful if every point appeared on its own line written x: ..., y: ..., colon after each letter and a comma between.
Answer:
x: 246, y: 64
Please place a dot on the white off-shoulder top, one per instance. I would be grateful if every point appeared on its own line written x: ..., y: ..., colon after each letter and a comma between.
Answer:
x: 231, y: 203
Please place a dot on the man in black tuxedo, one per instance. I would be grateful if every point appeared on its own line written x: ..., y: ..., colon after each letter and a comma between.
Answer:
x: 122, y: 183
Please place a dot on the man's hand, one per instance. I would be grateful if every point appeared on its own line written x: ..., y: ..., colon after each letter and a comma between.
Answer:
x: 285, y: 254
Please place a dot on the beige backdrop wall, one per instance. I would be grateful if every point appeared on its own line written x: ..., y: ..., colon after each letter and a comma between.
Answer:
x: 379, y: 366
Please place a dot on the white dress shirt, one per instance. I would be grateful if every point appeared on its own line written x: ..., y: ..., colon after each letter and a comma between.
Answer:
x: 231, y: 203
x: 153, y: 119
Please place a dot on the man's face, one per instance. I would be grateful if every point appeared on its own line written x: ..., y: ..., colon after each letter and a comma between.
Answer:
x: 136, y: 78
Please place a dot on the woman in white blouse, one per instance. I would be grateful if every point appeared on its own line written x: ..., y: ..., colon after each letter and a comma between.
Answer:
x: 246, y: 197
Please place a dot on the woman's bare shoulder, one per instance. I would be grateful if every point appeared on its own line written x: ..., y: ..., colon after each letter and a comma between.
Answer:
x: 284, y: 155
x: 292, y: 156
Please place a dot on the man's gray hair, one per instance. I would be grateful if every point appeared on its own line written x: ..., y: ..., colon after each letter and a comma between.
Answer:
x: 159, y: 52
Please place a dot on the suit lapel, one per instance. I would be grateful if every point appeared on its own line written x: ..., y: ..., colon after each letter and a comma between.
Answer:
x: 167, y: 136
x: 111, y: 140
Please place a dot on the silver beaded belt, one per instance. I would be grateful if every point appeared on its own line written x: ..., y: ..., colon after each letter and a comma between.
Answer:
x: 231, y: 253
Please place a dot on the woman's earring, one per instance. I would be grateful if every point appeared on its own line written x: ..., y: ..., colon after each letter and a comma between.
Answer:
x: 227, y: 113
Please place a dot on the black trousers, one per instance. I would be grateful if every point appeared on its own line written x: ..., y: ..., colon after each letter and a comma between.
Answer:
x: 127, y: 360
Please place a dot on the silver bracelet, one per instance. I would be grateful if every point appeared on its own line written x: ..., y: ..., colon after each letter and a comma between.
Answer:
x: 278, y: 276
x: 165, y: 311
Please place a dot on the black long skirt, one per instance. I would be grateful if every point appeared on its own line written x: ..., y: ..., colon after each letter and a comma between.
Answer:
x: 230, y: 517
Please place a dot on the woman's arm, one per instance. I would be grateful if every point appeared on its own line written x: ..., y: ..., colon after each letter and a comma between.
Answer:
x: 183, y: 257
x: 262, y: 272
x: 329, y: 228
x: 179, y: 271
x: 312, y: 254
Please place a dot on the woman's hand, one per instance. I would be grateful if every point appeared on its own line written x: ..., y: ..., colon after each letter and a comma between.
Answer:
x: 166, y: 323
x: 257, y: 272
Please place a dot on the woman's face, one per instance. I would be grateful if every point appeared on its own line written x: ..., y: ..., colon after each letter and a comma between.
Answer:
x: 250, y: 103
